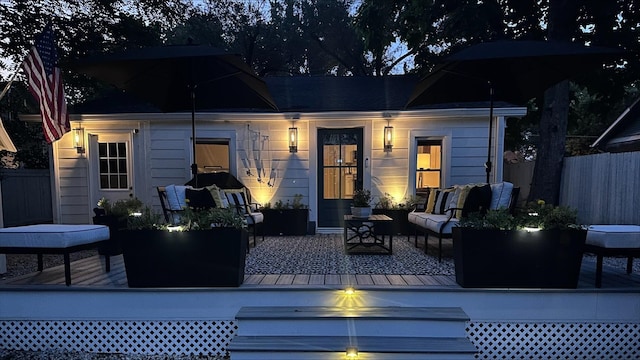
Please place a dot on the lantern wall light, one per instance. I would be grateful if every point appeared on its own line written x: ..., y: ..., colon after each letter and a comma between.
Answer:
x: 388, y: 138
x: 293, y: 139
x: 78, y: 139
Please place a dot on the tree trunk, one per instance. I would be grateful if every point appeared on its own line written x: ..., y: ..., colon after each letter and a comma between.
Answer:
x: 550, y: 152
x: 545, y: 184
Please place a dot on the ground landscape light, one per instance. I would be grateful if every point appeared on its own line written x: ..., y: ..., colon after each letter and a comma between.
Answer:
x: 350, y: 291
x: 352, y: 352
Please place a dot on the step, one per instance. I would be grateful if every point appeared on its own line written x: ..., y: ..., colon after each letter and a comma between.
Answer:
x: 334, y: 347
x: 361, y: 321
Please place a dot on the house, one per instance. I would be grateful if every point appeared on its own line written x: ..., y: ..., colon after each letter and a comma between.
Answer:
x: 128, y: 149
x: 624, y: 134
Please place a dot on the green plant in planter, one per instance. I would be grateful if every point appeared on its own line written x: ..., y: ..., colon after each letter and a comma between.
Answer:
x: 147, y: 220
x: 279, y: 205
x: 499, y: 219
x: 536, y: 215
x: 385, y: 202
x: 540, y: 215
x: 120, y: 208
x: 208, y: 218
x: 362, y: 198
x: 297, y: 202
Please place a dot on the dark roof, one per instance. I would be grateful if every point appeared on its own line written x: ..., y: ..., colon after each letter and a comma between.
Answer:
x: 624, y: 133
x: 294, y: 94
x: 304, y: 94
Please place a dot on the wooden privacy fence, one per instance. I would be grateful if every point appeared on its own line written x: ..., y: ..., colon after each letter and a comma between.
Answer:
x: 603, y: 187
x: 26, y: 196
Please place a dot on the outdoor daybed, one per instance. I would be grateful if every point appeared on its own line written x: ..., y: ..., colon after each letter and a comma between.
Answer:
x: 53, y: 239
x: 444, y: 207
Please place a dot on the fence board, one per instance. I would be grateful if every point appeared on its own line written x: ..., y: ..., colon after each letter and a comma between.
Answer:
x: 26, y: 196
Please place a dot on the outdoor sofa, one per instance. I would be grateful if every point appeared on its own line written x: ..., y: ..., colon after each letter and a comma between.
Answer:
x: 443, y: 208
x: 220, y: 190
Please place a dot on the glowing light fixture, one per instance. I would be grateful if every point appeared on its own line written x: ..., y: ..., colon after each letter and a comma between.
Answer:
x: 352, y: 352
x: 78, y: 139
x: 388, y: 138
x: 293, y: 139
x: 349, y: 291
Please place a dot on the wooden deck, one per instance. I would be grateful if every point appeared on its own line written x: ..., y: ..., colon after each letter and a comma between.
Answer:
x: 89, y: 273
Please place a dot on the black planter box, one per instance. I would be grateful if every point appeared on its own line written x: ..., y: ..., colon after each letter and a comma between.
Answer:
x: 208, y: 258
x: 518, y: 258
x: 112, y: 246
x: 400, y: 218
x: 285, y: 221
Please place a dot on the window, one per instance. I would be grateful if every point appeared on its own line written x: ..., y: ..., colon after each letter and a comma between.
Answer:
x: 212, y: 155
x: 428, y: 164
x: 113, y: 165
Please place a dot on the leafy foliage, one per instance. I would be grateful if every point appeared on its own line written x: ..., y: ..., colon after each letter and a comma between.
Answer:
x: 362, y: 198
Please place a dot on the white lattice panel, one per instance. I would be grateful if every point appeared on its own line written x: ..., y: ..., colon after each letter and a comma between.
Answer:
x: 130, y: 337
x: 555, y: 340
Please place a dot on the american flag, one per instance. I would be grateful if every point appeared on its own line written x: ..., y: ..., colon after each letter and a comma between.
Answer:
x: 45, y: 83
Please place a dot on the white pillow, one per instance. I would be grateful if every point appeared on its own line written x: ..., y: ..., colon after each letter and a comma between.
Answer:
x: 453, y: 197
x: 176, y: 196
x: 500, y: 195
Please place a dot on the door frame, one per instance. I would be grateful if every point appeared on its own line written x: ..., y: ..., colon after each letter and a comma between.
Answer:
x: 313, y: 156
x: 93, y: 163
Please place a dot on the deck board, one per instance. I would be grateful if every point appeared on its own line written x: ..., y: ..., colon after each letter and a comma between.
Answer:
x: 89, y: 272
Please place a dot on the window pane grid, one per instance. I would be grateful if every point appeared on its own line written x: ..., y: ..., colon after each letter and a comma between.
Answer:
x: 113, y: 166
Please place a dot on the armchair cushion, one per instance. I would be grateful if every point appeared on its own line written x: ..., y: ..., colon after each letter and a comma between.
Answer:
x: 176, y: 197
x: 200, y: 198
x: 500, y: 195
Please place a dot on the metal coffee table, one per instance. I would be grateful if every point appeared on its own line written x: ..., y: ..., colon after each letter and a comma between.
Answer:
x: 368, y: 235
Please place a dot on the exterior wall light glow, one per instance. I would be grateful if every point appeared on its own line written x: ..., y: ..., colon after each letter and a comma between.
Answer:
x: 388, y: 138
x: 293, y: 139
x: 78, y: 140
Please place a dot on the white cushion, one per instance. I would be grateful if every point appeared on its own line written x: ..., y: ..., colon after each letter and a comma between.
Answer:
x: 432, y: 222
x: 255, y: 218
x: 176, y: 196
x: 52, y: 235
x: 500, y: 195
x: 614, y: 236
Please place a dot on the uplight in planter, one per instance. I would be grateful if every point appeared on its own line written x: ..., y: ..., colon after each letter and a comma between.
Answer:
x: 173, y: 228
x: 531, y: 229
x: 136, y: 214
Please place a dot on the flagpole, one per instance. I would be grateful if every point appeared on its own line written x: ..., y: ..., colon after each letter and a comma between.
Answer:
x: 8, y: 86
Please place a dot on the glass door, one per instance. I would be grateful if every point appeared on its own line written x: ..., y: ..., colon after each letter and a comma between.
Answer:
x: 339, y: 171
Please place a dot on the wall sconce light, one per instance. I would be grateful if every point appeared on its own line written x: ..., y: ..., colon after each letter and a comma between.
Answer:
x: 78, y: 140
x: 293, y: 139
x: 352, y: 352
x: 388, y: 138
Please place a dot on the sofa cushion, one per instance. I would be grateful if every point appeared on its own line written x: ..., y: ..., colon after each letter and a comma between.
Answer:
x: 176, y: 196
x: 200, y: 198
x: 464, y: 192
x: 431, y: 200
x: 442, y: 202
x: 217, y: 196
x: 478, y: 199
x: 500, y: 195
x: 432, y: 222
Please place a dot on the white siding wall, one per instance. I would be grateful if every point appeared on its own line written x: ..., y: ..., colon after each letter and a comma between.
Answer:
x: 162, y: 153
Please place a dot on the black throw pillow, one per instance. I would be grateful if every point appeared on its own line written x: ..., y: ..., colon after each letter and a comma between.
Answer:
x: 478, y: 199
x: 200, y: 199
